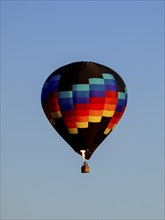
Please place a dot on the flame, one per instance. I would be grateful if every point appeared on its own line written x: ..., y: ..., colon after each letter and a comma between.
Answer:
x: 83, y: 153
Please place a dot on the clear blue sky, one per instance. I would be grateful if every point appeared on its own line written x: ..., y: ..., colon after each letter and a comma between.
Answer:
x: 40, y: 173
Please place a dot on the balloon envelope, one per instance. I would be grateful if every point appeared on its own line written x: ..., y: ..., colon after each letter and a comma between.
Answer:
x: 84, y: 101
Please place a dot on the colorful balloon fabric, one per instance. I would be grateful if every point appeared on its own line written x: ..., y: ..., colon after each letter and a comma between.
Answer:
x: 84, y: 101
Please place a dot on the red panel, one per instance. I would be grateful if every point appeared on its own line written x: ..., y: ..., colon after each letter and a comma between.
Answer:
x: 53, y: 101
x: 52, y: 95
x: 70, y: 118
x: 95, y: 100
x: 117, y: 114
x: 69, y: 113
x: 110, y: 125
x: 109, y: 100
x: 53, y: 106
x: 96, y: 106
x: 70, y: 124
x: 111, y: 94
x: 81, y: 106
x: 82, y: 112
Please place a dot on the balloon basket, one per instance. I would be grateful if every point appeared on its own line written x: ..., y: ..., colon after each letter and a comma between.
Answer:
x: 85, y: 168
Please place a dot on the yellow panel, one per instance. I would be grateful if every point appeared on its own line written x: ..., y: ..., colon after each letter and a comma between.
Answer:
x: 52, y: 121
x: 108, y: 113
x: 73, y: 130
x: 82, y: 124
x: 94, y: 118
x: 107, y: 130
x: 56, y: 114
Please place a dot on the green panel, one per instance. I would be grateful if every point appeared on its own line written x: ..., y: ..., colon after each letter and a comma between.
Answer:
x: 121, y: 95
x: 81, y: 87
x: 96, y: 81
x: 108, y: 76
x: 65, y: 94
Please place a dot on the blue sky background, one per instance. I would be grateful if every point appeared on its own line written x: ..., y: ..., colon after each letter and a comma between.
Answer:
x: 40, y: 173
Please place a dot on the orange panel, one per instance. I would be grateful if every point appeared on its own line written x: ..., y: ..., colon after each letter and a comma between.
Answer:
x: 95, y: 113
x: 109, y: 107
x: 81, y: 119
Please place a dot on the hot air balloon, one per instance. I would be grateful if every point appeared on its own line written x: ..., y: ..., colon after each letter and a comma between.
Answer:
x: 84, y: 101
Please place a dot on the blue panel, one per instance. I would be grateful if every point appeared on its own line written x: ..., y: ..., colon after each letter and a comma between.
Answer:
x: 111, y: 88
x: 55, y: 77
x: 80, y: 100
x: 126, y: 97
x: 44, y: 95
x: 121, y: 102
x: 80, y: 93
x: 54, y: 85
x: 97, y: 93
x: 51, y: 89
x: 97, y: 87
x: 66, y: 101
x: 50, y: 86
x: 45, y: 91
x: 66, y: 107
x: 45, y: 85
x: 110, y: 82
x: 119, y: 108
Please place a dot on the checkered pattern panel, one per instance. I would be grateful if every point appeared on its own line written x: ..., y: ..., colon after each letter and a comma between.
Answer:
x: 84, y: 101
